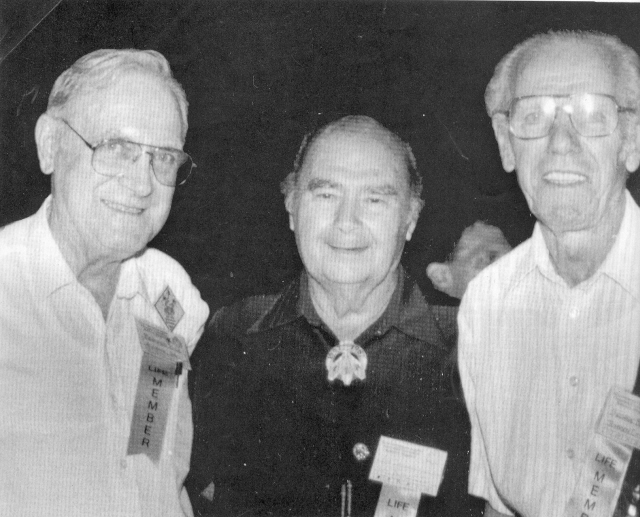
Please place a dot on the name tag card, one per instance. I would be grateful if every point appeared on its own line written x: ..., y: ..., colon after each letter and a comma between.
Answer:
x: 620, y: 420
x: 408, y: 466
x: 161, y: 344
x: 607, y: 458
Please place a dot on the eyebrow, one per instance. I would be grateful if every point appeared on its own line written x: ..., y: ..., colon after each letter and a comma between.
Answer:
x: 318, y: 183
x: 384, y: 190
x: 114, y: 136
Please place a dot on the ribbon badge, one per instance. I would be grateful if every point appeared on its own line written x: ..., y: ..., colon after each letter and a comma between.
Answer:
x: 163, y: 356
x: 608, y: 483
x: 346, y: 361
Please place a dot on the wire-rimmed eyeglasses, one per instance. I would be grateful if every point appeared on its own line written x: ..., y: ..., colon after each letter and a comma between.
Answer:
x: 111, y: 157
x: 591, y: 114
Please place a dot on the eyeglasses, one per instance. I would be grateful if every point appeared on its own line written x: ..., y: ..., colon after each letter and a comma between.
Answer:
x: 591, y: 114
x: 111, y: 157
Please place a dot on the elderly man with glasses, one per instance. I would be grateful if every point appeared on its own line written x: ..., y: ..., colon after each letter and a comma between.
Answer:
x: 552, y: 328
x: 95, y: 329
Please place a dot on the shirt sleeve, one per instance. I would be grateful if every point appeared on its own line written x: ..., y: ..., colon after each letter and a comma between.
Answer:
x: 469, y: 362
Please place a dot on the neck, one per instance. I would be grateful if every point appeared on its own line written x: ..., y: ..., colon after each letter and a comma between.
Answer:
x: 577, y: 255
x: 349, y: 309
x: 96, y: 273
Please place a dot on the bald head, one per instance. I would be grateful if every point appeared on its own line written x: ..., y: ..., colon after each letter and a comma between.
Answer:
x: 366, y: 127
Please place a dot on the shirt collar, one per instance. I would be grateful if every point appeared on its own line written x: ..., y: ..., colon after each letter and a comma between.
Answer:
x: 621, y: 262
x: 407, y: 310
x: 617, y: 264
x: 131, y: 281
x: 50, y: 270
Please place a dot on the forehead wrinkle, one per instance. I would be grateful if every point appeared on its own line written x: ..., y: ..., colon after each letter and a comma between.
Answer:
x: 101, y: 111
x: 568, y: 80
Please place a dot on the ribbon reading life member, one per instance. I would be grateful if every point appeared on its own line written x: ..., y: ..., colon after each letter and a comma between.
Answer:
x: 163, y: 354
x: 605, y: 487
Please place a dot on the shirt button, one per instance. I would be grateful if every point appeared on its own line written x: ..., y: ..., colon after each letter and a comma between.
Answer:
x: 573, y: 380
x: 570, y: 454
x: 573, y: 313
x: 123, y: 464
x: 361, y: 452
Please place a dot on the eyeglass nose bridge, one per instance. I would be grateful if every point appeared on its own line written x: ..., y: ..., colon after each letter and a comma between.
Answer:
x: 568, y: 110
x: 137, y: 151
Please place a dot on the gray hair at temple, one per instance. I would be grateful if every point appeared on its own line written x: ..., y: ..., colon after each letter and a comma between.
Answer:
x: 101, y: 68
x: 621, y: 59
x: 361, y: 125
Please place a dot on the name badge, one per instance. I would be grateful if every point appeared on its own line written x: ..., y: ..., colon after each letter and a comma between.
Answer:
x: 163, y: 353
x: 165, y: 346
x: 406, y: 471
x: 620, y: 420
x: 153, y: 400
x: 601, y: 479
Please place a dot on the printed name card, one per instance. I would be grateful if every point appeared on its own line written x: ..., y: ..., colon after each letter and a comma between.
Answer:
x: 161, y: 344
x: 408, y: 466
x: 406, y: 471
x: 620, y: 420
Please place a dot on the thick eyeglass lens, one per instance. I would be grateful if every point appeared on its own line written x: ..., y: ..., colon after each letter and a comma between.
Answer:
x: 170, y: 167
x: 591, y: 115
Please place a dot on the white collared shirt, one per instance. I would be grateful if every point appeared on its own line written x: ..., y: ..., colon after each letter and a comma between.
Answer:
x: 537, y: 359
x: 68, y: 383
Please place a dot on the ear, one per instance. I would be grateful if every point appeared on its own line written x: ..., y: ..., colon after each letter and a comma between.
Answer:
x: 440, y: 275
x: 501, y: 131
x: 414, y: 213
x: 630, y: 152
x: 46, y: 142
x: 289, y: 204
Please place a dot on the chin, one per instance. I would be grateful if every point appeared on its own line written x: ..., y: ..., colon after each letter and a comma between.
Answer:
x: 568, y: 222
x: 338, y: 273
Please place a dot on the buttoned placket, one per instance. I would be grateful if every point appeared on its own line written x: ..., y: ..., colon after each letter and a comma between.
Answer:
x: 116, y: 353
x: 571, y: 321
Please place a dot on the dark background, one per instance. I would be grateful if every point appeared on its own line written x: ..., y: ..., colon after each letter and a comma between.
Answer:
x: 259, y: 74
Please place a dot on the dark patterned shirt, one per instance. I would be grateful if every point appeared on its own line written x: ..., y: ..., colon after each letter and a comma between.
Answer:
x: 277, y: 438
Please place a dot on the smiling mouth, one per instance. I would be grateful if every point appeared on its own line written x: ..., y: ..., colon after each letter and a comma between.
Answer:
x: 565, y: 178
x: 123, y: 208
x: 341, y: 249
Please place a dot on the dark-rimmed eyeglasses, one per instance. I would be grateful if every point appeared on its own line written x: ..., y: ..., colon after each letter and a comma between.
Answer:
x: 591, y: 114
x: 113, y: 157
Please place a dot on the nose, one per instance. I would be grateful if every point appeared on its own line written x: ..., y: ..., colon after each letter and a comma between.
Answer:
x: 139, y: 176
x: 563, y: 137
x: 348, y: 216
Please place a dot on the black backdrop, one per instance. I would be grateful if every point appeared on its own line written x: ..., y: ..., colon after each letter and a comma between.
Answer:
x: 258, y: 74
